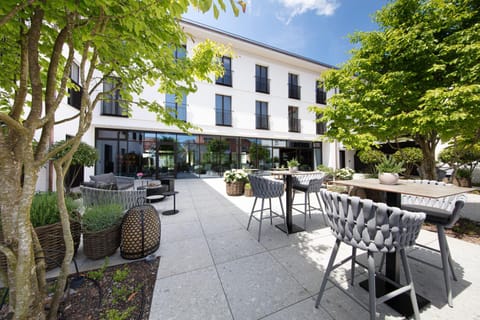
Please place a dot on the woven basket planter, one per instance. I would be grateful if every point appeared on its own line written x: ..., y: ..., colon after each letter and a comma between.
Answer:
x: 101, y: 244
x: 141, y: 230
x: 51, y: 240
x: 235, y: 188
x: 248, y: 192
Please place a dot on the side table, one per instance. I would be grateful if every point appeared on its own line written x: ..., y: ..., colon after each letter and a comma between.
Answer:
x: 174, y: 211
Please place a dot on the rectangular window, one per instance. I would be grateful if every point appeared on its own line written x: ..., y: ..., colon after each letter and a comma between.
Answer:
x: 223, y: 110
x: 75, y: 94
x: 111, y: 104
x: 177, y: 110
x: 321, y: 93
x: 180, y: 52
x: 261, y: 112
x: 293, y: 120
x: 262, y: 83
x: 226, y: 79
x: 321, y: 125
x: 293, y: 87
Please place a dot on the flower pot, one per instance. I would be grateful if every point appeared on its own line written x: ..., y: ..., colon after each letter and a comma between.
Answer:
x: 100, y: 244
x: 235, y: 188
x: 293, y: 169
x: 248, y: 192
x: 388, y: 178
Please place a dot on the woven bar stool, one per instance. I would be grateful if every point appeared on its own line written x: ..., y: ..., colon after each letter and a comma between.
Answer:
x: 372, y: 227
x: 264, y: 188
x: 308, y: 183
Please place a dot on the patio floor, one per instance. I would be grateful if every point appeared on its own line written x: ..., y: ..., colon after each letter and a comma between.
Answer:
x: 211, y: 267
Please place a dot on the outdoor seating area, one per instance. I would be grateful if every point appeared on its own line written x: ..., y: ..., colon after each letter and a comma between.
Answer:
x: 212, y: 267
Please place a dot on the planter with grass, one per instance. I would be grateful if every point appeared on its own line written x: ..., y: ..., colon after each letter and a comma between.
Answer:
x: 101, y: 227
x: 293, y: 165
x: 235, y: 180
x: 388, y: 170
x: 248, y: 190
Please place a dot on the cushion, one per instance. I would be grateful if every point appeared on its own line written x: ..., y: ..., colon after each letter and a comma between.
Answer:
x: 107, y: 186
x: 107, y: 178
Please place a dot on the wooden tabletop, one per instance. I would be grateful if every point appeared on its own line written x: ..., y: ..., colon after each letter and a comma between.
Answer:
x: 407, y: 187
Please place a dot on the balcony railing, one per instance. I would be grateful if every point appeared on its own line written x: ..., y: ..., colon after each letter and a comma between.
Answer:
x: 321, y: 127
x: 226, y: 79
x: 293, y: 125
x: 223, y: 117
x: 262, y: 121
x: 294, y: 91
x: 262, y: 84
x: 321, y: 96
x: 75, y: 97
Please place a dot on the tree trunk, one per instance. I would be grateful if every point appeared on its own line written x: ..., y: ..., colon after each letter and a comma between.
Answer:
x: 428, y: 165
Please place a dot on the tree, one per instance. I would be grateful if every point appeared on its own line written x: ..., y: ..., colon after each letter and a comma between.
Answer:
x: 463, y: 156
x: 417, y: 78
x: 371, y: 158
x: 132, y: 40
x: 85, y: 156
x: 410, y: 157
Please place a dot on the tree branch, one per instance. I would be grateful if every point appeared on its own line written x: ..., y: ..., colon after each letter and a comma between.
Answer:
x: 6, y: 18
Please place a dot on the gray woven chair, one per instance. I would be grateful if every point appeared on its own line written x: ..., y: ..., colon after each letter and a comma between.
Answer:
x: 444, y: 213
x: 373, y: 227
x: 264, y: 188
x: 308, y: 183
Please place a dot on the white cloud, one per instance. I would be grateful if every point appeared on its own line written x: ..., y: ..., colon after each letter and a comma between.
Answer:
x: 297, y: 7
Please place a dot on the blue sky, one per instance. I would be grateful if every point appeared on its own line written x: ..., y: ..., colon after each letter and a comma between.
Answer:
x: 317, y: 29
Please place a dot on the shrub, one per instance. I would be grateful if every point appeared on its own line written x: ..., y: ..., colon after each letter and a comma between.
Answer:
x: 44, y: 209
x: 411, y: 157
x: 102, y: 217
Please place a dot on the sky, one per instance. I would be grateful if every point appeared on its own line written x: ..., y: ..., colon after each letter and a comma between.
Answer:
x: 316, y: 29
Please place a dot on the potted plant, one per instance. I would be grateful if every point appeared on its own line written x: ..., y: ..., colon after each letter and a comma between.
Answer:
x: 389, y: 169
x: 248, y: 190
x: 235, y: 180
x: 344, y: 174
x: 293, y: 165
x: 101, y: 227
x: 45, y: 218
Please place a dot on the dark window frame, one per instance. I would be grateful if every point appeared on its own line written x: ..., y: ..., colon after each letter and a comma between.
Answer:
x: 223, y: 113
x: 262, y: 83
x: 261, y: 115
x: 321, y: 94
x: 321, y: 126
x: 226, y: 79
x: 176, y: 109
x: 112, y: 98
x: 294, y: 90
x: 75, y: 96
x: 293, y: 119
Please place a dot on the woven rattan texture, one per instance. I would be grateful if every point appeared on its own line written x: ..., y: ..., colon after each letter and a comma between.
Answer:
x: 265, y: 188
x: 97, y: 245
x: 127, y: 198
x: 235, y: 188
x: 368, y: 225
x: 141, y: 231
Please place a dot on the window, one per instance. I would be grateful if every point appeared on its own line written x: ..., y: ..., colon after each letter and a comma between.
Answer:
x: 112, y: 98
x: 293, y: 87
x: 321, y: 93
x: 180, y: 52
x: 223, y: 110
x: 262, y: 83
x: 293, y: 120
x: 261, y: 111
x: 177, y: 110
x: 75, y: 94
x: 226, y: 79
x: 321, y: 125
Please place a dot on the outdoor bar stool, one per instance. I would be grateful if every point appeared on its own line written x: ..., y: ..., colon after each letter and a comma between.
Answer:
x: 308, y: 183
x: 264, y: 188
x: 374, y: 228
x: 443, y: 213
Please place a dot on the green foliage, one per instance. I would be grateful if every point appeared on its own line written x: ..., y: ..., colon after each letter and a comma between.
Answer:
x: 293, y: 163
x: 389, y: 165
x: 257, y: 152
x: 247, y: 186
x: 410, y: 156
x: 85, y: 155
x: 121, y: 274
x: 115, y: 314
x: 99, y: 273
x: 370, y: 156
x: 463, y: 172
x: 327, y: 170
x: 344, y: 173
x: 418, y: 77
x: 102, y: 217
x: 44, y: 210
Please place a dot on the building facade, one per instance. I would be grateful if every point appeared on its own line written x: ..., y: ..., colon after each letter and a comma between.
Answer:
x: 256, y: 115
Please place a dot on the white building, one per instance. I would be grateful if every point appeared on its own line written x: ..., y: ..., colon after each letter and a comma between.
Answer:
x: 259, y: 108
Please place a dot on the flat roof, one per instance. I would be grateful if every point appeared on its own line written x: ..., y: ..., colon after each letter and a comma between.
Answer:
x: 256, y: 43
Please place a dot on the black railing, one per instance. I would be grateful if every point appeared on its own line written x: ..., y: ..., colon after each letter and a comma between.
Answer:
x: 223, y: 117
x: 294, y: 125
x: 293, y: 91
x: 262, y: 121
x: 321, y: 96
x: 321, y: 127
x: 262, y: 84
x: 226, y: 79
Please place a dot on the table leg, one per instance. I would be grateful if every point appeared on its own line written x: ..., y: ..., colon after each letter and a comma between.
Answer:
x: 291, y: 228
